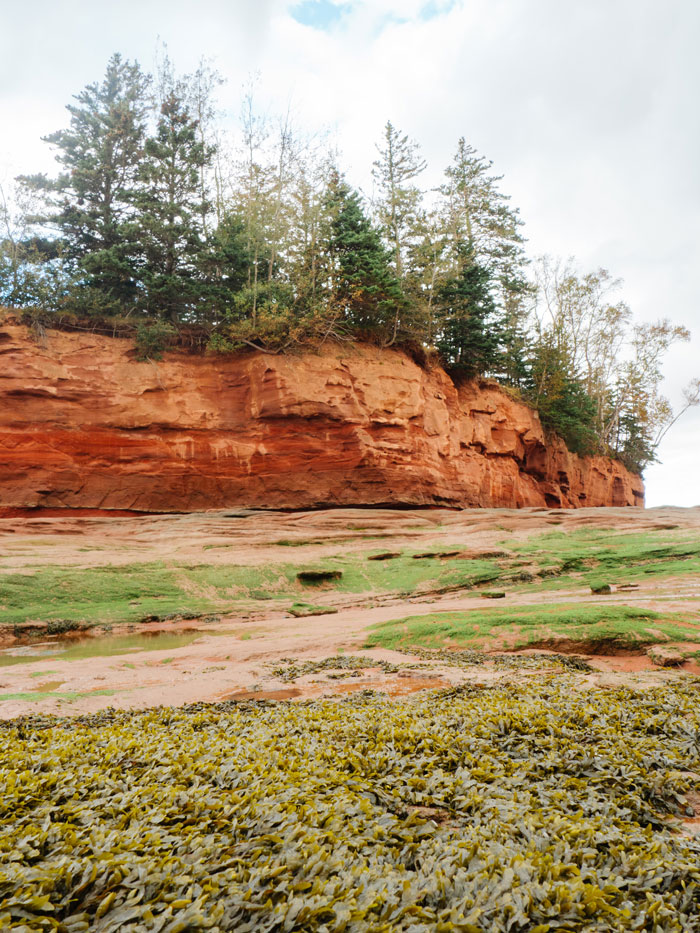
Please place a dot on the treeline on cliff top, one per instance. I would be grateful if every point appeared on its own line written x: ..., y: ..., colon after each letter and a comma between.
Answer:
x: 160, y: 225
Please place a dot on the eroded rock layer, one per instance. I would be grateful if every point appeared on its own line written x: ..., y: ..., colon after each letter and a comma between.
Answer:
x: 84, y: 425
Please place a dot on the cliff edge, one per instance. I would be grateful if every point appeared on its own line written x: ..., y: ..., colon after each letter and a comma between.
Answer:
x: 83, y: 425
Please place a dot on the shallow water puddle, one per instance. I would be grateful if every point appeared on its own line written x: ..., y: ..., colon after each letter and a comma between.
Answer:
x: 48, y: 686
x: 285, y: 694
x: 391, y: 686
x: 97, y: 647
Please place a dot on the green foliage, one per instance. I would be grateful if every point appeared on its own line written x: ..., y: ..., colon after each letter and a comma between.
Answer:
x: 571, y: 414
x: 363, y: 286
x: 475, y: 211
x: 399, y: 201
x: 561, y: 400
x: 265, y: 315
x: 153, y: 339
x: 225, y: 263
x: 171, y: 209
x: 89, y: 203
x: 467, y: 330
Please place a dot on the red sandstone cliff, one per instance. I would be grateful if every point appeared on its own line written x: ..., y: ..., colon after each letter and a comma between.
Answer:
x: 84, y: 425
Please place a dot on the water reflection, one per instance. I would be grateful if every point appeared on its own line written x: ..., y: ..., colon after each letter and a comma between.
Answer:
x: 97, y: 646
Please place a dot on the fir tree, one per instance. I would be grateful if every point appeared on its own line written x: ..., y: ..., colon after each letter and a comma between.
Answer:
x: 398, y: 202
x: 559, y: 395
x: 475, y: 211
x: 224, y: 264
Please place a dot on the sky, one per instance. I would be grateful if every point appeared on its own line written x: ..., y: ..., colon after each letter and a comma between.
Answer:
x: 587, y: 109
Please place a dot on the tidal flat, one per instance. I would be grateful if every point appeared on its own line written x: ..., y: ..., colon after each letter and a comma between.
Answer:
x: 351, y: 720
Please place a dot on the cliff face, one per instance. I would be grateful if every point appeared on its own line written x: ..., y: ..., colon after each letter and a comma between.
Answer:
x: 82, y: 425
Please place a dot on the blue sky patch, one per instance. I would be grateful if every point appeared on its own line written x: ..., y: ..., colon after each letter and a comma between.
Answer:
x: 435, y: 8
x: 319, y: 14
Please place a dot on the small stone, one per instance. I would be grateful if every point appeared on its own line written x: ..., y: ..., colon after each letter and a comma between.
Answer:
x: 665, y: 657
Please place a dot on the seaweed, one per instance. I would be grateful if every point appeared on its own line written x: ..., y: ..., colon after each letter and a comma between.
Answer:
x: 533, y: 807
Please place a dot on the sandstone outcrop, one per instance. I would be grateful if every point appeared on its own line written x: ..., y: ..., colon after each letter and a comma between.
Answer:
x: 84, y: 425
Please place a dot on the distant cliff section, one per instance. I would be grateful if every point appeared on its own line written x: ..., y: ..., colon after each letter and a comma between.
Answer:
x: 83, y: 425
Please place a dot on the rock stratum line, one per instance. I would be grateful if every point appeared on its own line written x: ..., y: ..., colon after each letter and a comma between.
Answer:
x: 84, y: 425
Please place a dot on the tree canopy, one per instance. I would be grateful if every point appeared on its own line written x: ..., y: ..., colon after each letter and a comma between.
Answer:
x: 158, y: 222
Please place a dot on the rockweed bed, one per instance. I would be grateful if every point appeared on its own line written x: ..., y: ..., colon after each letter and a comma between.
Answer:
x: 509, y: 808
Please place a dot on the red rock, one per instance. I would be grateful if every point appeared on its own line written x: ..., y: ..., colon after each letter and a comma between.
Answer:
x: 85, y: 426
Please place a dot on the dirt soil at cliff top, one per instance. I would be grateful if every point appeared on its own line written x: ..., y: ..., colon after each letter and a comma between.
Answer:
x: 248, y: 644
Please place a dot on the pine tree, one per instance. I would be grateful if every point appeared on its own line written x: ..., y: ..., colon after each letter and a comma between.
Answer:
x: 400, y: 215
x: 90, y: 204
x: 362, y: 282
x: 171, y: 211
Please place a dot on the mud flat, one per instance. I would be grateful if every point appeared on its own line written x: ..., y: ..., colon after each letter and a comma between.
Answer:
x: 120, y: 611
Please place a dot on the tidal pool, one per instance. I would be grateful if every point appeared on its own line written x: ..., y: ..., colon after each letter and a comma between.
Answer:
x: 102, y: 646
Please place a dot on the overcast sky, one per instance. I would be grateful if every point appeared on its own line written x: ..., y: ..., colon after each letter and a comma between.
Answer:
x: 589, y: 110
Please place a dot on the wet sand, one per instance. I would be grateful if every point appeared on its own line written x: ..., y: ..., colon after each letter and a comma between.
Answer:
x: 235, y: 656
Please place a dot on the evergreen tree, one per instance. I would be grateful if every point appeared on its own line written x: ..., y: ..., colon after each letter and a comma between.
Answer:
x: 362, y: 282
x: 512, y: 366
x: 467, y: 325
x: 559, y: 395
x: 171, y: 211
x: 475, y: 211
x: 224, y: 265
x: 398, y: 202
x: 90, y: 203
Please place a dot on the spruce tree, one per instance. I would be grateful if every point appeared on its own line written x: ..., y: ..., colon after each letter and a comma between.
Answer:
x: 224, y: 264
x: 90, y: 204
x: 468, y: 327
x: 398, y: 201
x: 475, y: 211
x: 171, y: 210
x: 362, y: 282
